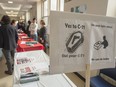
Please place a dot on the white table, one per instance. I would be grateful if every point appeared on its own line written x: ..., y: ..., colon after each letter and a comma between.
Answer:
x: 42, y: 62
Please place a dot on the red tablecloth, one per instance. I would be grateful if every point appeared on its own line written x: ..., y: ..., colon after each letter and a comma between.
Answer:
x: 25, y: 38
x: 22, y: 34
x: 23, y: 47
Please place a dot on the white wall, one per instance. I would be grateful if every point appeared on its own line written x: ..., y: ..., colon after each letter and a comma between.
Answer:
x: 14, y: 18
x: 27, y: 16
x: 73, y: 3
x: 32, y: 12
x: 98, y: 7
x: 35, y: 11
x: 1, y: 16
x: 38, y: 11
x: 111, y: 9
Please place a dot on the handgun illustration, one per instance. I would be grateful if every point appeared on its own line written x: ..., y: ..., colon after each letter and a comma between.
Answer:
x: 74, y: 41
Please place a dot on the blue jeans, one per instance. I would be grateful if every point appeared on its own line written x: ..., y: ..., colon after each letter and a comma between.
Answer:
x: 0, y: 53
x: 9, y: 55
x: 34, y: 36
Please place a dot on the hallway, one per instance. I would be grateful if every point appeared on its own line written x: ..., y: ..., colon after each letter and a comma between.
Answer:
x: 5, y: 80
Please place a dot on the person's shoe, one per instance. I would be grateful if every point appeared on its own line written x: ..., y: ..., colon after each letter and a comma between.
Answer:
x: 7, y: 72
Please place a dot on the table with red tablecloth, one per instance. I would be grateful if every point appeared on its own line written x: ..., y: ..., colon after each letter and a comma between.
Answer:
x: 22, y: 46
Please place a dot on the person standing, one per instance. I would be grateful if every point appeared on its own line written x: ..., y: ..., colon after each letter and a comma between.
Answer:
x: 33, y: 30
x: 23, y: 27
x: 10, y: 37
x: 27, y: 30
x: 42, y: 34
x: 13, y: 23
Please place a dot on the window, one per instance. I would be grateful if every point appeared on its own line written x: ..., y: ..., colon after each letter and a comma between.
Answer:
x: 45, y: 8
x: 61, y: 5
x: 53, y: 4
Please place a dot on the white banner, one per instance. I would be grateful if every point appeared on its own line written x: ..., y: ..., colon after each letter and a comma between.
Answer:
x: 77, y: 40
x: 102, y: 45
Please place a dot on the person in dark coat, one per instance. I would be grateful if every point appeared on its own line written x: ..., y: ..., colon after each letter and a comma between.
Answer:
x: 1, y: 39
x: 27, y: 30
x: 42, y: 34
x: 10, y: 38
x: 23, y: 27
x: 1, y: 43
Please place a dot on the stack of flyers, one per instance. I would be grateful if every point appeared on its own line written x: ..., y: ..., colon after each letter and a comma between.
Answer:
x: 28, y: 69
x: 24, y: 60
x: 36, y: 67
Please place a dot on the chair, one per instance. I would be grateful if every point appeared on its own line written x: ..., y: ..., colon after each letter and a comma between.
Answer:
x: 99, y: 81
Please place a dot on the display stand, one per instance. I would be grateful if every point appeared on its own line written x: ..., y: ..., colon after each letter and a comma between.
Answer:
x: 88, y: 73
x: 72, y: 34
x: 40, y: 63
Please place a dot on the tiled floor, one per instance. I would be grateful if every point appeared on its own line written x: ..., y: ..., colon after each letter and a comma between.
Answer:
x: 7, y: 80
x: 76, y: 80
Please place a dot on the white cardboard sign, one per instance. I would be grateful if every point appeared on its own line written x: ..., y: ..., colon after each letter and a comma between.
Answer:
x: 77, y: 40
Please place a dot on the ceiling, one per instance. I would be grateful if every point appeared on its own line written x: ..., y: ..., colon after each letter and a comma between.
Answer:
x: 17, y: 8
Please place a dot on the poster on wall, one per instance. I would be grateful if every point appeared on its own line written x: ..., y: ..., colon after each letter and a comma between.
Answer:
x: 77, y: 40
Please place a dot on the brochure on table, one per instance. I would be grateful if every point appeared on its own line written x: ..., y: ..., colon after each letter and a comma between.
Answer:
x: 80, y: 39
x: 31, y: 62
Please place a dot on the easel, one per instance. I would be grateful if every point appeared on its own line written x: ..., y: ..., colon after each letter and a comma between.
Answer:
x: 88, y: 74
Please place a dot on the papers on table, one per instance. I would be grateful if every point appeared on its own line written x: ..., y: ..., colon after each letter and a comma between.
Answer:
x: 36, y: 67
x: 23, y: 42
x: 23, y: 37
x: 29, y: 42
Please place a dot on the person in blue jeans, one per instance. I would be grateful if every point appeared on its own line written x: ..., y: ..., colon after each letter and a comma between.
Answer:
x: 33, y: 29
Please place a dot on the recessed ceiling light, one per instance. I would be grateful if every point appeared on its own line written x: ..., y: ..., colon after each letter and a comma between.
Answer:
x: 10, y: 2
x: 12, y: 15
x: 11, y: 11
